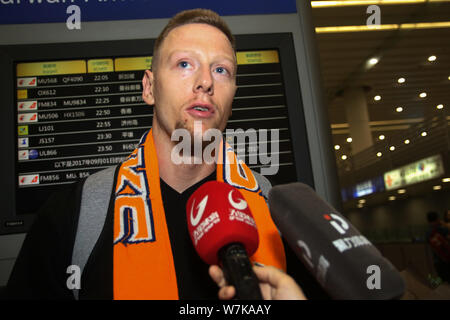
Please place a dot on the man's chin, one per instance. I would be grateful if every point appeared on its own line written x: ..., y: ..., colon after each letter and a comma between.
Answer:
x: 197, y: 128
x: 198, y: 132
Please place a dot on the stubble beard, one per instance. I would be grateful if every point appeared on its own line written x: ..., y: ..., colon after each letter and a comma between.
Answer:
x: 195, y: 136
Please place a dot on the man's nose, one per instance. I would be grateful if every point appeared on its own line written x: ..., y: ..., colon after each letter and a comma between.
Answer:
x: 204, y: 81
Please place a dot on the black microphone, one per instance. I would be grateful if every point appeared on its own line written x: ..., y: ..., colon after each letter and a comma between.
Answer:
x: 342, y: 260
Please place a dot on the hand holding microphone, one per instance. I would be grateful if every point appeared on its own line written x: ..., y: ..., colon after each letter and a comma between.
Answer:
x: 274, y: 284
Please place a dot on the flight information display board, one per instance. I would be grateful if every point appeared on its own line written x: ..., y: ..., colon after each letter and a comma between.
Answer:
x: 75, y: 117
x: 69, y: 110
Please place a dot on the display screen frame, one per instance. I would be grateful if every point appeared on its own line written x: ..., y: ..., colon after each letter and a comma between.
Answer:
x: 10, y: 222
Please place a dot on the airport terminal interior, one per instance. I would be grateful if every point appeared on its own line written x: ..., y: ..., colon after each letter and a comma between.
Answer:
x: 384, y: 70
x: 387, y: 94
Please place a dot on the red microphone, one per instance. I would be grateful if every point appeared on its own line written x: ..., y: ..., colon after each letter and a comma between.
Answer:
x: 224, y: 232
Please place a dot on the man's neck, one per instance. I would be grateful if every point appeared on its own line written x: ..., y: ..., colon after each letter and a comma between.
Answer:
x: 177, y: 176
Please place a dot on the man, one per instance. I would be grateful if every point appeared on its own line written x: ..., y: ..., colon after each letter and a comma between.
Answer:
x: 126, y: 228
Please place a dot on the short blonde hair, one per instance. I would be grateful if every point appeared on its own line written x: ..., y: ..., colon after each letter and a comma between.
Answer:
x: 192, y: 16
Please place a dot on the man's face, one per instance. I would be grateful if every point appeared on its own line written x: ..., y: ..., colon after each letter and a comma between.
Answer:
x: 195, y: 80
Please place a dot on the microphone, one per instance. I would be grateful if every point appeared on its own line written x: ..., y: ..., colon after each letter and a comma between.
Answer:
x: 342, y: 260
x: 223, y: 230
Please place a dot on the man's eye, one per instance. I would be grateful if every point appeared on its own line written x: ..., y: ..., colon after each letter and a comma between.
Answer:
x: 184, y: 64
x: 221, y: 70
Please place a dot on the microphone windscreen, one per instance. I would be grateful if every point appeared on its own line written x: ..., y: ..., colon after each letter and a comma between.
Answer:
x: 218, y: 215
x: 343, y: 261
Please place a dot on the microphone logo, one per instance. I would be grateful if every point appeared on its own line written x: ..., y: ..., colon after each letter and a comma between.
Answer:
x: 337, y: 222
x: 201, y: 208
x: 241, y: 205
x: 306, y: 253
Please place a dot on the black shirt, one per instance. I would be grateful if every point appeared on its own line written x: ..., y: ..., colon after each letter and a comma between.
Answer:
x: 192, y: 274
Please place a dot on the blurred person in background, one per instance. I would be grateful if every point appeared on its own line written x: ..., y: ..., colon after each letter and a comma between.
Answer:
x: 438, y: 238
x: 447, y: 219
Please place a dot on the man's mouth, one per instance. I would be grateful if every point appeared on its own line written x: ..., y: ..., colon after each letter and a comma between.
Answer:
x: 201, y: 110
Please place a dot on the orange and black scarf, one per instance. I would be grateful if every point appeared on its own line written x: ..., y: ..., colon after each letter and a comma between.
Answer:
x: 143, y: 261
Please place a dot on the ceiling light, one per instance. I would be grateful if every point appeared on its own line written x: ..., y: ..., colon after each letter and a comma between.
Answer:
x: 423, y: 134
x: 432, y: 58
x: 381, y: 27
x: 438, y: 187
x: 381, y: 137
x: 392, y: 198
x: 401, y: 80
x: 440, y: 106
x: 337, y: 147
x: 362, y: 200
x: 340, y: 29
x: 344, y: 157
x: 377, y: 98
x: 423, y: 94
x: 349, y: 139
x: 425, y: 25
x: 407, y: 141
x: 399, y: 109
x: 446, y: 180
x: 344, y: 3
x: 379, y: 154
x: 401, y: 191
x: 392, y: 148
x: 373, y: 61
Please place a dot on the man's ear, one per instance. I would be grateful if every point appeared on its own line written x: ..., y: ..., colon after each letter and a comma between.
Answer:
x: 148, y: 86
